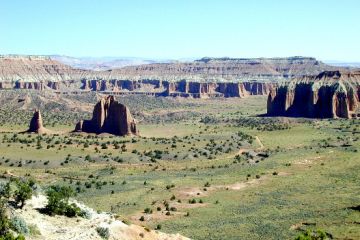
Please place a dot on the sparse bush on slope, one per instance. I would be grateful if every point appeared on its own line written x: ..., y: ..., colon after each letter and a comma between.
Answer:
x: 103, y: 232
x: 58, y: 202
x: 8, y: 225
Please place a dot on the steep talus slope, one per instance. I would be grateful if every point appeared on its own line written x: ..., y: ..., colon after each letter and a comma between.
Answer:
x: 329, y: 94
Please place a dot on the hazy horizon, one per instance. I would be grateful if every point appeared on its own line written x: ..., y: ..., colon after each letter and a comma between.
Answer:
x: 109, y: 58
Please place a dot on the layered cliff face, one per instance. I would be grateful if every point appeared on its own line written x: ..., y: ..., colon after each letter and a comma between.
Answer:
x: 15, y: 68
x: 225, y: 89
x: 36, y: 72
x: 109, y: 116
x: 232, y: 68
x: 328, y: 95
x: 122, y: 85
x: 207, y: 77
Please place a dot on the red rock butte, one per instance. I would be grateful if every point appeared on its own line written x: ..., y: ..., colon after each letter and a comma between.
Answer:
x: 109, y: 116
x: 36, y: 124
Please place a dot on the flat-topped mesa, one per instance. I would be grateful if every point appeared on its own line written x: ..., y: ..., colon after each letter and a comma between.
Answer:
x: 232, y: 68
x: 331, y: 94
x: 35, y: 72
x: 36, y: 124
x: 109, y: 116
x: 46, y: 73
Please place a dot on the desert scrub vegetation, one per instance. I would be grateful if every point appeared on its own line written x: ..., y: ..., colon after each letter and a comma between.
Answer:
x: 18, y: 190
x: 58, y: 202
x: 189, y: 153
x: 6, y: 226
x: 314, y: 235
x: 103, y: 232
x: 258, y: 123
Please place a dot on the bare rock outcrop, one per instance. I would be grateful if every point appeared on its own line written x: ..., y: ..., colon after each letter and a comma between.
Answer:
x: 36, y: 124
x: 109, y: 116
x: 330, y: 94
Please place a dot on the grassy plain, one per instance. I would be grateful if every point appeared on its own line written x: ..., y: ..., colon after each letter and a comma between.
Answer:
x: 205, y: 168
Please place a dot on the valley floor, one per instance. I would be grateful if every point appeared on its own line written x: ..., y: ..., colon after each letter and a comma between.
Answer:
x: 204, y: 168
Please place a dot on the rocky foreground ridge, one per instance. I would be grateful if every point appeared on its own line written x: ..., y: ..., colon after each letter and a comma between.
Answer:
x: 330, y: 94
x: 61, y: 227
x: 202, y: 78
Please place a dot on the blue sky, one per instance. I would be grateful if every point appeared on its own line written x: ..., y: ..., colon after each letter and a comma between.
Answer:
x: 326, y: 29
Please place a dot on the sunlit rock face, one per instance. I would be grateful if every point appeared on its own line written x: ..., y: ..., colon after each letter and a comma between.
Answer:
x: 109, y: 116
x: 332, y: 94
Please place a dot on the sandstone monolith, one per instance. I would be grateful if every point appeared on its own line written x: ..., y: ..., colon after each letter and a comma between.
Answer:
x: 109, y: 116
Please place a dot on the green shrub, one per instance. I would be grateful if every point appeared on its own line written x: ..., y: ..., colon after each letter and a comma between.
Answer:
x: 85, y: 214
x: 58, y: 202
x: 103, y: 232
x: 148, y: 210
x: 192, y: 201
x: 19, y: 225
x: 24, y: 191
x: 10, y: 236
x: 6, y: 225
x: 313, y: 235
x: 4, y: 221
x: 5, y: 190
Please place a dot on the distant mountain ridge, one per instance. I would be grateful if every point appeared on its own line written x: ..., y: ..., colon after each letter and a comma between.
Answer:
x: 235, y: 68
x: 344, y: 64
x: 103, y: 63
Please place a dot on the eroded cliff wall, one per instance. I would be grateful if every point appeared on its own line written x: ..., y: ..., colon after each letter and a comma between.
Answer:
x: 207, y: 77
x: 328, y: 95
